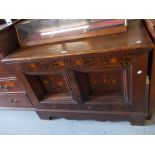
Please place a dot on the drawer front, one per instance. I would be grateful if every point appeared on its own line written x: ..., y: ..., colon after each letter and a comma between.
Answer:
x: 15, y: 100
x: 10, y: 86
x: 39, y: 67
x: 80, y: 62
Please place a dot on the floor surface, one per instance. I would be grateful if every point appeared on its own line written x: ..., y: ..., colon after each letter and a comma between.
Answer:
x: 14, y: 122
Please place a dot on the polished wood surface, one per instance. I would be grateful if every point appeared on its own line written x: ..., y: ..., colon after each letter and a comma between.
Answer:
x: 136, y: 37
x: 41, y: 31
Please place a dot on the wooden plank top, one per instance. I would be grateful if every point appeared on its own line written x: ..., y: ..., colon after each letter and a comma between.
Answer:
x: 135, y: 37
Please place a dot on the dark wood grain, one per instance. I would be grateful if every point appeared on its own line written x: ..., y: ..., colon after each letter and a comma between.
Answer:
x: 135, y: 37
x: 135, y: 118
x: 14, y: 101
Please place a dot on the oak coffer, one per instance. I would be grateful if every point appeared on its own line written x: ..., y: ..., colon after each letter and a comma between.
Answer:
x: 100, y: 78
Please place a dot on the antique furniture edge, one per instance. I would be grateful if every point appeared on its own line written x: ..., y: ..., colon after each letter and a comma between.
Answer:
x: 150, y: 26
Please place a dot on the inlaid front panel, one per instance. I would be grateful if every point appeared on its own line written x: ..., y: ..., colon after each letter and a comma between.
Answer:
x: 102, y: 83
x: 54, y: 84
x: 51, y: 88
x: 97, y: 82
x: 105, y: 85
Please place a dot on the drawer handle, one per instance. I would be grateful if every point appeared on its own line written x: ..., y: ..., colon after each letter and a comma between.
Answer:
x: 14, y: 101
x: 4, y: 87
x: 139, y: 72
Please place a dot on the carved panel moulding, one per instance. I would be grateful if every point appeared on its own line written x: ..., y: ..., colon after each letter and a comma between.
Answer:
x: 42, y: 66
x: 106, y: 61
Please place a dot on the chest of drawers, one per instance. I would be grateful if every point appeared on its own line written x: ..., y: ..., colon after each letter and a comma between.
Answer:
x: 12, y: 93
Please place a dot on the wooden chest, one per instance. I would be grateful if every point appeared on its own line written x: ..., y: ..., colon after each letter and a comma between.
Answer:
x: 101, y: 78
